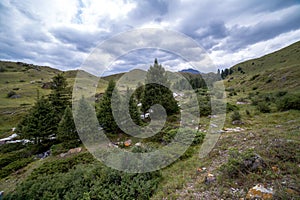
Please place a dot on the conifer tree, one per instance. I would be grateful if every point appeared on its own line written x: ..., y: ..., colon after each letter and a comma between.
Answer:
x: 60, y: 96
x: 86, y: 124
x: 38, y: 124
x: 66, y: 127
x: 157, y: 90
x: 104, y: 113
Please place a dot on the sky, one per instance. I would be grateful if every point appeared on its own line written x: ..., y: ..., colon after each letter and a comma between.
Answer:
x: 63, y: 34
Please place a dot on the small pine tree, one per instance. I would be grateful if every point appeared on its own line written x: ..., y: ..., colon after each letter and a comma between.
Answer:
x: 159, y: 92
x: 139, y: 91
x: 235, y: 116
x: 60, y: 96
x: 39, y: 123
x: 86, y: 123
x: 133, y: 109
x: 104, y: 113
x: 66, y: 127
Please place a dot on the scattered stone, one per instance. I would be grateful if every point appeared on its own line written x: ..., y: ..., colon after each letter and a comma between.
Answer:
x: 259, y: 191
x: 213, y: 125
x: 210, y: 178
x: 75, y: 150
x: 212, y: 116
x: 127, y: 143
x: 276, y: 169
x: 236, y: 129
x: 291, y: 191
x: 237, y: 122
x: 200, y: 170
x: 138, y: 144
x: 112, y: 145
x: 242, y: 102
x: 278, y: 126
x: 254, y: 163
x: 16, y: 96
x: 43, y: 155
x: 62, y: 155
x: 46, y: 85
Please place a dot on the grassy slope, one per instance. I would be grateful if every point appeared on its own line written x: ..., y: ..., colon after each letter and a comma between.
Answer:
x: 262, y: 132
x: 28, y: 79
x: 275, y: 71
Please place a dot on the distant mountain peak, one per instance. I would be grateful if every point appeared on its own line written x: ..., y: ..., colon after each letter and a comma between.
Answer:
x: 190, y: 70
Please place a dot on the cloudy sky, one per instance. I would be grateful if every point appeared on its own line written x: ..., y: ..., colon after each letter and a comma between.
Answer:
x: 62, y: 34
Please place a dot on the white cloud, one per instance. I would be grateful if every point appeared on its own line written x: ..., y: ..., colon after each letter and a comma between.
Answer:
x: 62, y: 33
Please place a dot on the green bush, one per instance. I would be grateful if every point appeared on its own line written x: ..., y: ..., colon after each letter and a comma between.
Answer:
x: 254, y: 77
x: 62, y: 165
x: 263, y: 107
x: 236, y: 165
x: 199, y: 137
x: 288, y: 102
x: 235, y: 116
x: 247, y: 112
x: 89, y: 181
x: 64, y: 147
x: 7, y: 158
x: 188, y: 153
x: 14, y: 166
x: 6, y: 148
x: 10, y: 94
x: 230, y: 107
x: 281, y: 93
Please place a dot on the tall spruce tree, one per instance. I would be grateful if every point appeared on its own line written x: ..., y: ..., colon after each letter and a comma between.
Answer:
x: 104, y: 113
x: 60, y: 96
x: 66, y: 127
x: 157, y: 90
x: 86, y: 123
x: 39, y: 123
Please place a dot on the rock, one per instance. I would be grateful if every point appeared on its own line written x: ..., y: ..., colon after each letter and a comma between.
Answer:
x: 62, y: 155
x: 259, y: 191
x: 138, y: 144
x: 237, y: 129
x: 242, y: 102
x: 237, y: 122
x: 213, y: 125
x: 46, y: 85
x: 75, y: 150
x: 127, y: 143
x: 276, y: 169
x: 201, y: 170
x: 210, y: 178
x: 43, y: 155
x: 16, y: 96
x: 254, y: 163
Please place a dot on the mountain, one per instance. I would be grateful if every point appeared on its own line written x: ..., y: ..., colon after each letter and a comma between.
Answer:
x: 190, y: 70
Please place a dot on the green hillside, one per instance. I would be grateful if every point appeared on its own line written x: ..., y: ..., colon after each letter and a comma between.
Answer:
x: 24, y: 82
x: 275, y: 71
